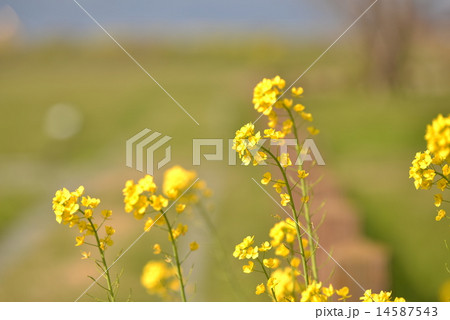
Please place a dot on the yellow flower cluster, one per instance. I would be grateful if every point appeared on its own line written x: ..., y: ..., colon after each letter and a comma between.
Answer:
x: 383, y: 296
x: 438, y: 138
x: 432, y: 166
x: 267, y: 97
x: 69, y: 209
x: 159, y: 279
x: 245, y: 141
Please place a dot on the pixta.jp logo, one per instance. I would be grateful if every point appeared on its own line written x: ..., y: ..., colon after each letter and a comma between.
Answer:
x: 143, y: 146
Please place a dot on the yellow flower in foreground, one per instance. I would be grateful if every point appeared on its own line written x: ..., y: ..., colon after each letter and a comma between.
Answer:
x: 313, y: 131
x: 441, y: 214
x: 446, y: 171
x: 148, y: 224
x: 88, y: 213
x: 65, y: 204
x: 328, y: 291
x: 177, y: 180
x: 271, y: 263
x: 158, y: 278
x: 285, y: 161
x: 267, y: 177
x: 307, y: 116
x: 180, y: 207
x: 437, y: 200
x: 193, y: 246
x: 265, y: 246
x: 79, y: 241
x: 438, y: 137
x: 106, y: 213
x: 156, y: 248
x: 248, y: 268
x: 90, y: 202
x: 244, y: 250
x: 85, y: 255
x: 297, y: 91
x: 312, y: 293
x: 302, y: 174
x: 179, y: 231
x: 442, y: 184
x: 278, y: 186
x: 158, y: 202
x: 343, y: 293
x: 285, y: 199
x: 383, y: 296
x: 272, y: 283
x: 282, y: 251
x: 260, y: 288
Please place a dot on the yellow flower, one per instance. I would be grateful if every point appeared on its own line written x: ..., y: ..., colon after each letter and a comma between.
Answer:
x: 328, y: 291
x: 438, y: 200
x: 179, y: 231
x: 271, y: 263
x: 306, y: 116
x: 283, y: 231
x: 299, y: 108
x: 147, y: 184
x: 244, y: 250
x: 180, y: 207
x: 423, y: 177
x: 156, y: 248
x: 248, y: 268
x: 438, y: 137
x: 313, y: 131
x: 282, y: 251
x: 446, y: 171
x: 106, y: 213
x: 88, y: 213
x: 260, y: 288
x: 285, y: 286
x: 265, y: 246
x: 305, y: 199
x: 383, y: 296
x: 312, y: 293
x: 90, y: 202
x: 343, y: 293
x: 278, y: 186
x: 287, y: 126
x: 177, y: 180
x: 442, y: 184
x: 441, y: 214
x: 158, y: 202
x: 302, y: 174
x: 148, y: 224
x: 79, y: 241
x: 193, y: 246
x: 158, y: 278
x: 285, y: 161
x: 285, y: 199
x: 295, y: 262
x: 85, y: 255
x: 109, y: 230
x: 266, y: 94
x: 65, y: 204
x: 297, y: 91
x: 267, y: 177
x: 272, y: 283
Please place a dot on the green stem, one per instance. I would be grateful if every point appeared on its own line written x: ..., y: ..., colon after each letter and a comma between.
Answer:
x: 111, y: 296
x: 268, y: 277
x: 305, y: 192
x: 177, y: 258
x: 294, y: 212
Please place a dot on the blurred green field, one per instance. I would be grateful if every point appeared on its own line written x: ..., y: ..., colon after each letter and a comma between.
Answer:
x: 368, y: 139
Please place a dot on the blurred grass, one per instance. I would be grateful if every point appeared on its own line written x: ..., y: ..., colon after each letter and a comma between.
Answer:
x: 368, y: 139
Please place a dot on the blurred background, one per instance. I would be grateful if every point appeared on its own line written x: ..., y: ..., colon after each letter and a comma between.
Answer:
x: 70, y: 98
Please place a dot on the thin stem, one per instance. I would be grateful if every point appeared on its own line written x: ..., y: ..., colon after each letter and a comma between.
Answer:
x: 305, y: 191
x: 111, y: 296
x: 176, y: 256
x: 268, y: 277
x: 294, y: 212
